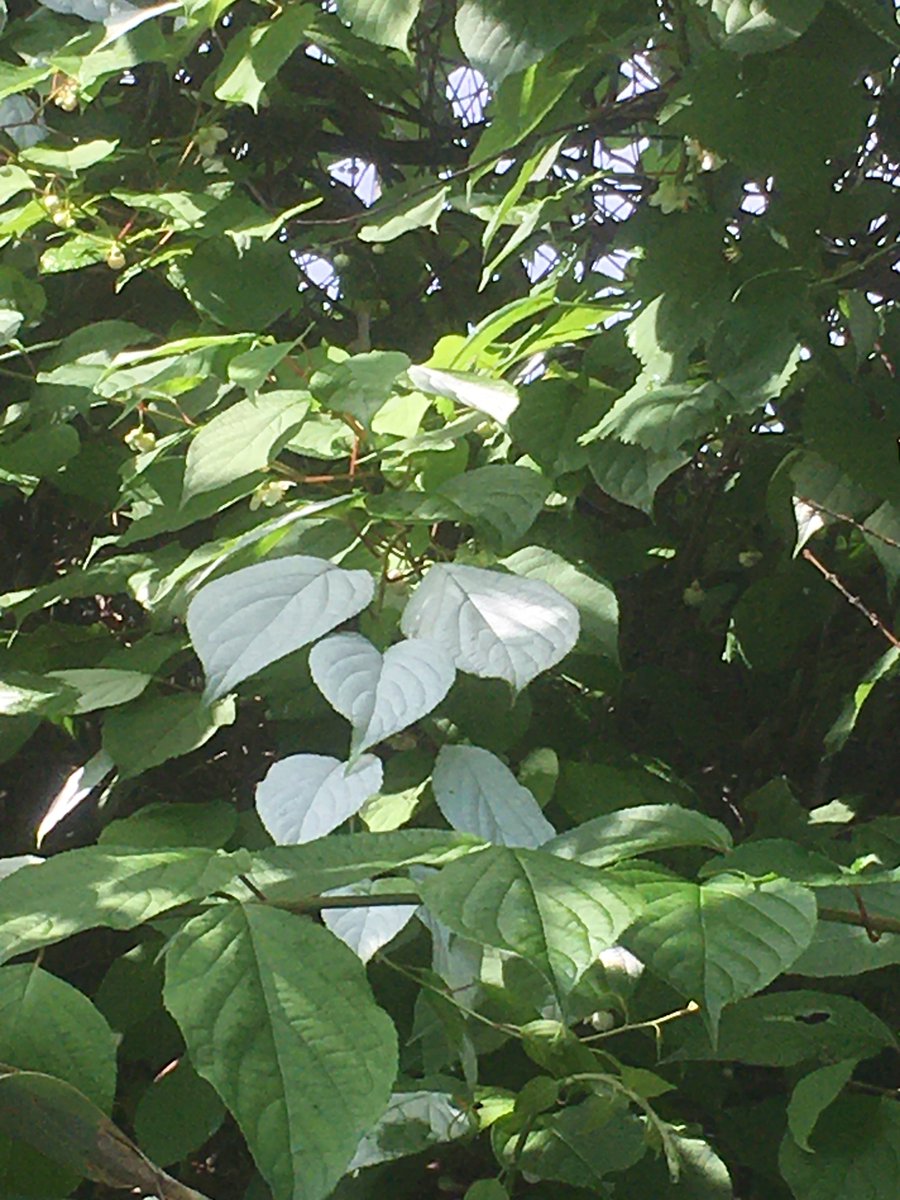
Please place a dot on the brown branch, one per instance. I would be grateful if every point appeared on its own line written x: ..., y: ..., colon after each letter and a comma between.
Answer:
x: 874, y: 620
x: 871, y: 923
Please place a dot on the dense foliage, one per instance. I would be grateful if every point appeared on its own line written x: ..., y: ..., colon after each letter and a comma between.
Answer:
x: 450, y: 518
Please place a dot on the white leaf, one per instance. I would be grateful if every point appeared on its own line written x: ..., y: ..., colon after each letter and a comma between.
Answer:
x: 307, y: 795
x: 492, y: 625
x: 77, y: 787
x: 244, y: 621
x: 380, y: 694
x: 478, y: 794
x: 366, y: 930
x: 809, y: 522
x: 494, y: 397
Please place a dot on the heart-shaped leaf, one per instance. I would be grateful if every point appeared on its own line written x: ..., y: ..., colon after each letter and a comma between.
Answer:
x: 558, y: 915
x: 478, y: 794
x: 380, y: 694
x: 724, y: 940
x: 307, y: 795
x: 367, y: 929
x: 493, y: 625
x: 248, y: 619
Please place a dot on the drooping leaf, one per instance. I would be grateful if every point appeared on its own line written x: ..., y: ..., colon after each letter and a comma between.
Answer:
x: 558, y: 915
x: 641, y: 830
x: 278, y: 1016
x: 58, y: 1120
x: 305, y: 796
x: 380, y: 694
x: 76, y: 788
x: 244, y: 621
x: 478, y: 794
x: 492, y: 625
x: 724, y: 940
x: 81, y: 889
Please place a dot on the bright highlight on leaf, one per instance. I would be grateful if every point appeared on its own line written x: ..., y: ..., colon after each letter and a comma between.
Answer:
x: 307, y: 795
x: 493, y: 625
x: 244, y: 621
x: 380, y: 694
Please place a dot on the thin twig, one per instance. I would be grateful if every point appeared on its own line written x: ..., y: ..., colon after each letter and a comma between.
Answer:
x: 837, y: 516
x: 855, y: 601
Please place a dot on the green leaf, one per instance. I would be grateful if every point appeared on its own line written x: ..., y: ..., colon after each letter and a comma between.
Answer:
x: 287, y: 873
x: 278, y: 1016
x: 58, y: 1120
x: 178, y: 1113
x: 745, y: 27
x: 839, y: 949
x: 22, y: 692
x: 702, y: 1175
x: 855, y: 1153
x: 501, y: 37
x: 500, y: 499
x: 70, y: 162
x: 558, y: 915
x: 101, y: 687
x: 722, y: 941
x: 581, y: 1145
x: 81, y: 889
x: 632, y: 474
x: 785, y: 1029
x: 812, y: 1095
x: 414, y: 213
x: 239, y: 290
x: 48, y: 1025
x: 884, y: 668
x: 255, y: 55
x: 12, y: 181
x: 595, y: 600
x: 157, y: 728
x: 642, y: 830
x: 166, y: 824
x: 386, y: 22
x: 241, y: 440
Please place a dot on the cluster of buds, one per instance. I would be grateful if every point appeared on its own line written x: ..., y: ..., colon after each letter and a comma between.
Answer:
x: 270, y: 493
x: 140, y: 439
x: 65, y: 95
x: 59, y: 210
